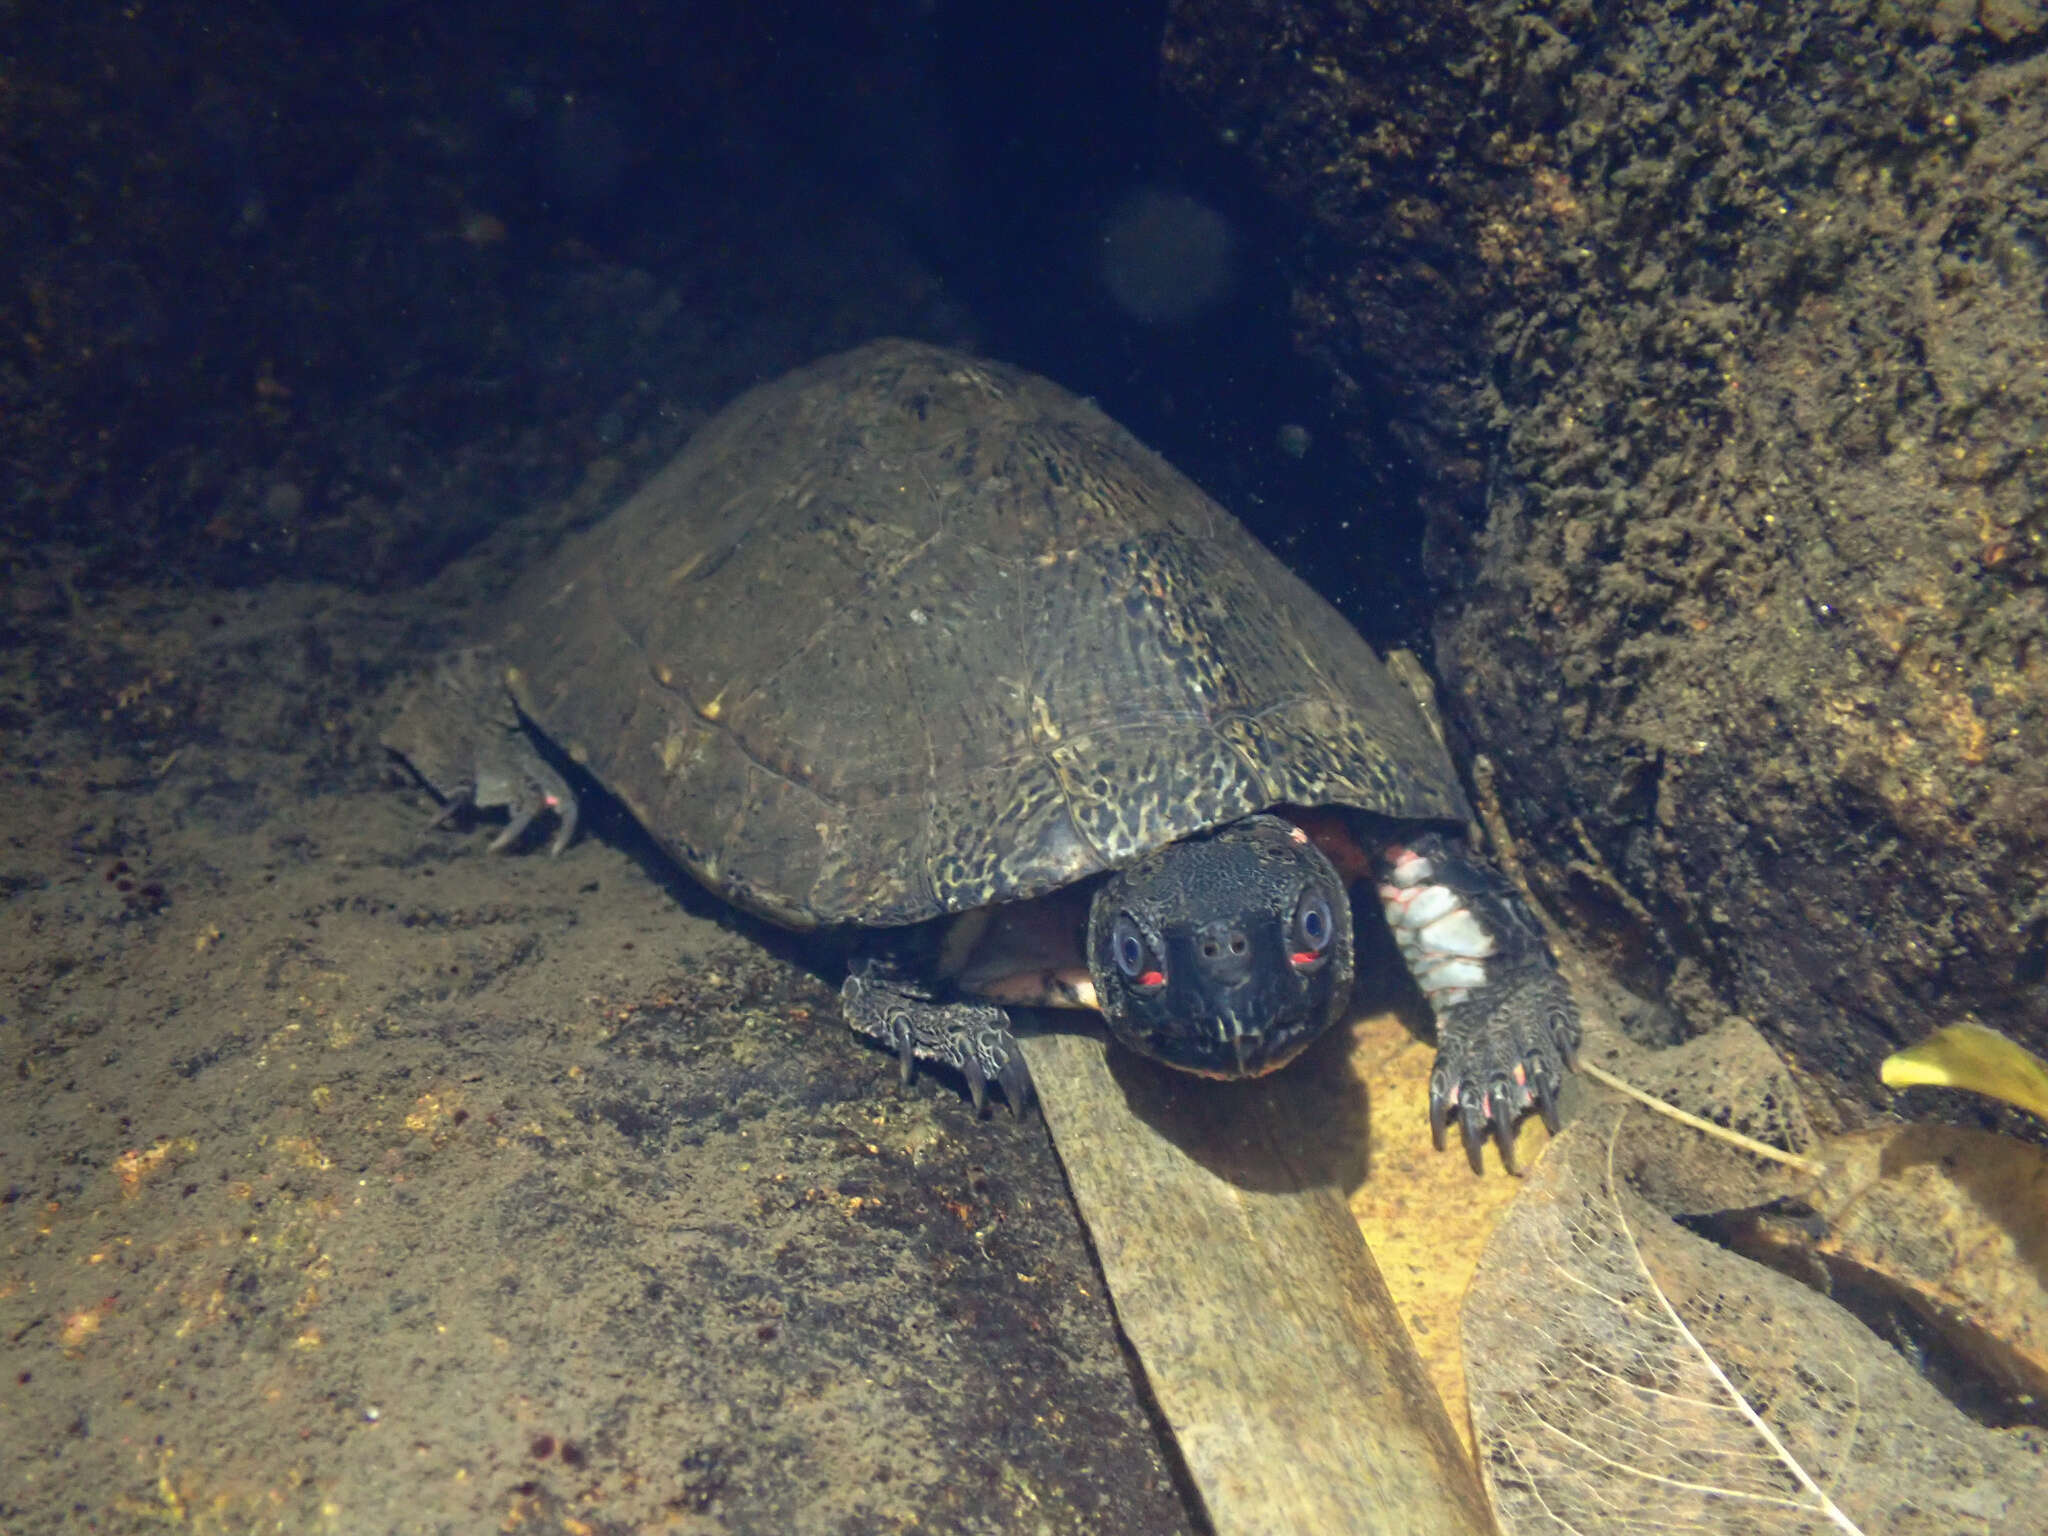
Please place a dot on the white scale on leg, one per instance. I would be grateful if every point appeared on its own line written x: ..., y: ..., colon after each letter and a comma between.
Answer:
x: 1443, y: 943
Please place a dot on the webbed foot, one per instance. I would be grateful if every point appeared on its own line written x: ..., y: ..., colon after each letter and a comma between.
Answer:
x: 972, y: 1038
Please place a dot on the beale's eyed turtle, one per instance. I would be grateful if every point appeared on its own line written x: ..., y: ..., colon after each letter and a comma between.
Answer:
x: 908, y: 636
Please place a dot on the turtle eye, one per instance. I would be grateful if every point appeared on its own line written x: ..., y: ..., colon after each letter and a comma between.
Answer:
x: 1128, y: 945
x: 1313, y: 927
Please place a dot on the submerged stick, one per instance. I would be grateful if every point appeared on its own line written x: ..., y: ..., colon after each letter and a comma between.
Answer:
x: 1265, y: 1331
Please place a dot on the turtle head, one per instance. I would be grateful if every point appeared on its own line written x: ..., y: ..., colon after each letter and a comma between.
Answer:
x: 1223, y: 954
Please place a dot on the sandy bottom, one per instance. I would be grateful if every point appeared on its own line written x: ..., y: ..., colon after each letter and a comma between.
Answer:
x: 358, y: 1180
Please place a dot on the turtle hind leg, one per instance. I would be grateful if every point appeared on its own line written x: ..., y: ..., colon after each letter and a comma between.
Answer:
x: 1507, y: 1026
x: 515, y: 776
x: 972, y: 1038
x: 461, y: 734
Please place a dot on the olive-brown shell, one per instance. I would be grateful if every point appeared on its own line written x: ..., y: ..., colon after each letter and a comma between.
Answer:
x: 906, y: 632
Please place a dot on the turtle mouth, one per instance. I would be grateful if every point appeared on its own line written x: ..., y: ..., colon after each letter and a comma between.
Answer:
x: 1224, y: 1049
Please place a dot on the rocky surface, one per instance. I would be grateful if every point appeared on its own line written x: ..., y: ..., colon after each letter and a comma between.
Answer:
x: 1721, y: 332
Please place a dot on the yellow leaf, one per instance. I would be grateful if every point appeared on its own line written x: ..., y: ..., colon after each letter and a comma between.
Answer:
x: 1977, y: 1058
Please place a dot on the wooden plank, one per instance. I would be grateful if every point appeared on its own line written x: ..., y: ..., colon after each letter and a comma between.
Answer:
x: 1266, y: 1334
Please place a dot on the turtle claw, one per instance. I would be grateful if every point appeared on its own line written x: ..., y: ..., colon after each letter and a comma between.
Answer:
x: 1014, y: 1078
x: 1442, y: 1093
x: 973, y: 1039
x: 977, y: 1085
x: 1474, y: 1126
x: 1502, y: 1124
x: 1564, y: 1031
x: 1011, y: 1077
x: 1450, y: 1097
x: 1546, y: 1101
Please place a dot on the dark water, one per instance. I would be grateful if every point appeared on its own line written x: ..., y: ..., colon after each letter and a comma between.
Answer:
x: 283, y: 271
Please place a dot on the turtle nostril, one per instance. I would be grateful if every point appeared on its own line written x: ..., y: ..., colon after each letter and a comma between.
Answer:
x: 1224, y: 952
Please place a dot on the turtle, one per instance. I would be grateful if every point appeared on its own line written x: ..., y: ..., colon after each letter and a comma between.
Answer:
x: 925, y: 648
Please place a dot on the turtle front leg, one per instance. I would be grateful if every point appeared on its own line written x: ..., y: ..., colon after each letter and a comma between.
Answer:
x: 1507, y: 1027
x: 972, y: 1038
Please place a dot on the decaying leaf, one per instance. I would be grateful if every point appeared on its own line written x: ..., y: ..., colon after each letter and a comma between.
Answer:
x: 1627, y: 1376
x: 1729, y: 1076
x: 1955, y: 1223
x: 1975, y: 1057
x: 1427, y: 1219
